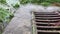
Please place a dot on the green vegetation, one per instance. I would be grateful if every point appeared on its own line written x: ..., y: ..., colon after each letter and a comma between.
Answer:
x: 0, y: 33
x: 16, y: 5
x: 2, y: 1
x: 40, y: 2
x: 6, y: 16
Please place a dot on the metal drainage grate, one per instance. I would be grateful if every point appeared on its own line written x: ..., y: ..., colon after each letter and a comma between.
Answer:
x: 45, y: 21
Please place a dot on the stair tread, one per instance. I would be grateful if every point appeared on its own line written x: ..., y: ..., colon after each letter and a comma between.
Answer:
x: 48, y: 26
x: 44, y: 23
x: 45, y: 20
x: 47, y: 31
x: 47, y: 17
x: 44, y: 13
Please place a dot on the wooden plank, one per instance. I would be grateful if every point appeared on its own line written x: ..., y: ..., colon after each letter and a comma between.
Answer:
x: 47, y: 17
x: 45, y: 20
x: 48, y: 26
x: 47, y: 31
x: 44, y: 13
x: 44, y: 23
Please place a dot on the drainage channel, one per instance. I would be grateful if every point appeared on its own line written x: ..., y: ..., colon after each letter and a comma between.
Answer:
x: 46, y: 22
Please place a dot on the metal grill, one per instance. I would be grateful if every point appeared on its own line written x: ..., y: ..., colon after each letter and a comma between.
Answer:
x: 45, y: 22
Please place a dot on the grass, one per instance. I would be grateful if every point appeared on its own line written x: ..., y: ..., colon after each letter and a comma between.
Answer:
x: 0, y: 33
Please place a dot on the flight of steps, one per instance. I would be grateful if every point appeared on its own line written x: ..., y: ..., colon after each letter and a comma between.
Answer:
x: 45, y: 22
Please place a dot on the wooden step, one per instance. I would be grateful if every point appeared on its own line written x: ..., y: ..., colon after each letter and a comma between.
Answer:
x: 44, y: 23
x: 48, y: 26
x: 45, y: 13
x: 47, y: 17
x: 47, y: 31
x: 45, y: 20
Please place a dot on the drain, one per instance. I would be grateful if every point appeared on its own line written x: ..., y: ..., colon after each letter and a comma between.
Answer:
x: 45, y: 21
